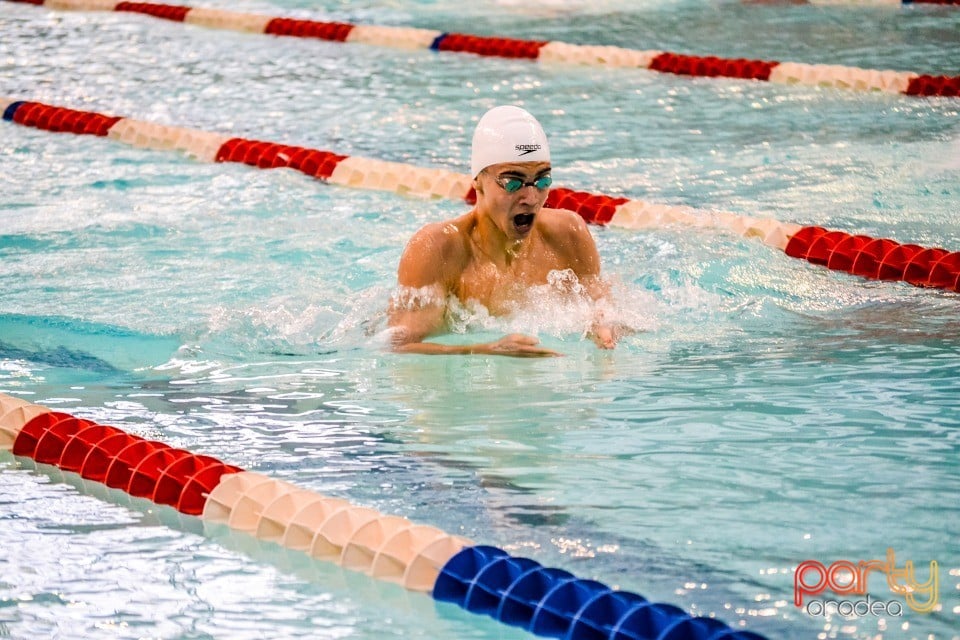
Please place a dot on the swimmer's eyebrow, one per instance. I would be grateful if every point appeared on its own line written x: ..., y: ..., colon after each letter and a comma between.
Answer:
x: 516, y: 173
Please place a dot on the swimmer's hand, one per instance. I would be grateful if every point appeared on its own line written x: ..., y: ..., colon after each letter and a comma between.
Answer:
x: 606, y: 336
x: 518, y: 346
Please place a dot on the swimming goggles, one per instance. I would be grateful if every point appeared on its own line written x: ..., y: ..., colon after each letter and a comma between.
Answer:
x: 512, y: 185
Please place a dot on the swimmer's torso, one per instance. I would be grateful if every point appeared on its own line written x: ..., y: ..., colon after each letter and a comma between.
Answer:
x: 500, y: 287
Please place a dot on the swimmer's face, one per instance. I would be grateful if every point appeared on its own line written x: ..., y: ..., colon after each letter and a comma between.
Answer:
x: 512, y: 207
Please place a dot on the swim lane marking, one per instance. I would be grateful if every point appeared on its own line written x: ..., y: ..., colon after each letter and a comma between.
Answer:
x: 865, y: 256
x: 481, y: 579
x: 835, y: 76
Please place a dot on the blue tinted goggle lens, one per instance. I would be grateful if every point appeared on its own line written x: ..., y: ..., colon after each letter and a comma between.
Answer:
x: 512, y: 185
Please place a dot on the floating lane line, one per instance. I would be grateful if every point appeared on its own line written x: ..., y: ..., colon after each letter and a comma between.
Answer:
x: 835, y: 76
x: 481, y: 579
x: 876, y: 3
x: 873, y: 258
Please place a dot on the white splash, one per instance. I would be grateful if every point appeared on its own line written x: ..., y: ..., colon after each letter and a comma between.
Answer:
x: 561, y: 308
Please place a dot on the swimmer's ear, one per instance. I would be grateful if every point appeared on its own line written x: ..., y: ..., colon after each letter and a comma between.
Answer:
x: 476, y: 184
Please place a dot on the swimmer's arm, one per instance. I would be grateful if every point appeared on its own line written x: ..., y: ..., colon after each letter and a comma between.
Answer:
x: 585, y: 260
x: 603, y: 333
x: 409, y: 327
x: 418, y: 306
x: 515, y: 345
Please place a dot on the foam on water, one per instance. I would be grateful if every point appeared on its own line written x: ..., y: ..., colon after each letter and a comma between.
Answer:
x: 561, y: 308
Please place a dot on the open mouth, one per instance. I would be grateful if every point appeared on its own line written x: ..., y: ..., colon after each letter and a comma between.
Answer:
x: 523, y: 221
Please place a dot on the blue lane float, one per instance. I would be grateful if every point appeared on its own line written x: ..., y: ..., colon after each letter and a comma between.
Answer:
x: 555, y: 603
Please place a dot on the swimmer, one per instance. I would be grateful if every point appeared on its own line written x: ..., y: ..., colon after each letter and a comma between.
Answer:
x: 499, y: 249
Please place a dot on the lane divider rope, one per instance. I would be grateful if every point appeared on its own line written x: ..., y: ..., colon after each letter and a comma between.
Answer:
x: 877, y: 3
x: 835, y: 76
x: 873, y: 258
x: 481, y: 579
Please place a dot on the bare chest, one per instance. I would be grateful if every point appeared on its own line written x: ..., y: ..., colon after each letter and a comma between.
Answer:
x: 501, y: 288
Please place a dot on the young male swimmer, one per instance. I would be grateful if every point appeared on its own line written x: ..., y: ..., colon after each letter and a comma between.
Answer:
x: 503, y: 246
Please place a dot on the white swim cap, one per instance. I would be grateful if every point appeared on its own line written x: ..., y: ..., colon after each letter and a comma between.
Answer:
x: 507, y: 134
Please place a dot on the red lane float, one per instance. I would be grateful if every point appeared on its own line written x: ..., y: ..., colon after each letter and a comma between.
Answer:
x: 835, y: 76
x: 60, y: 119
x: 269, y: 155
x: 165, y: 11
x: 934, y: 86
x: 879, y: 259
x: 105, y: 454
x: 871, y: 3
x: 332, y: 31
x: 713, y: 67
x: 594, y: 208
x: 487, y: 46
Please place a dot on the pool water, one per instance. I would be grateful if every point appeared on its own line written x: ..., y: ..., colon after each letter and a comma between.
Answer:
x: 765, y: 411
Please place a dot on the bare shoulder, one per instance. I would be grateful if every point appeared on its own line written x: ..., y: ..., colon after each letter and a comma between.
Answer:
x: 434, y: 252
x: 568, y: 235
x: 563, y: 228
x: 563, y: 224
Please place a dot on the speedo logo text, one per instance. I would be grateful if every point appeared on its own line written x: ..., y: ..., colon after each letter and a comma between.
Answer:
x: 524, y: 149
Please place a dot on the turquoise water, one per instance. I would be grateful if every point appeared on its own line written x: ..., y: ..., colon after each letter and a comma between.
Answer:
x: 766, y: 412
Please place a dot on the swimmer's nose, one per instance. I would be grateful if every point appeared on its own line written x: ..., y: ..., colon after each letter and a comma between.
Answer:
x: 529, y: 194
